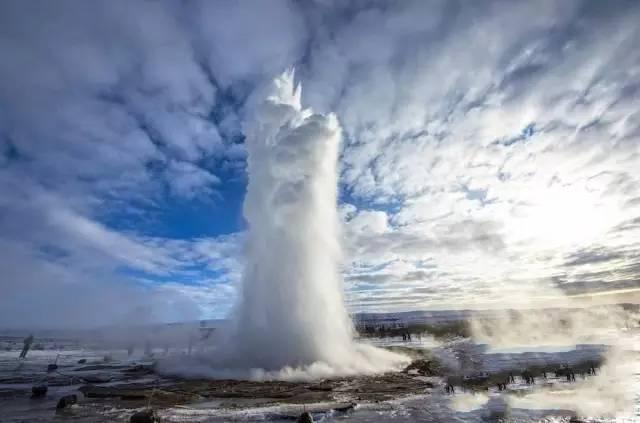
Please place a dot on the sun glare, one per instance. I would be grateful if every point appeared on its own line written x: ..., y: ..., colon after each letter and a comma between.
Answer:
x: 566, y: 217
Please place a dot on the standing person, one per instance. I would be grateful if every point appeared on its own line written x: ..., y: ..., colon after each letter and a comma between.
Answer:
x: 190, y: 345
x: 148, y: 352
x: 27, y: 344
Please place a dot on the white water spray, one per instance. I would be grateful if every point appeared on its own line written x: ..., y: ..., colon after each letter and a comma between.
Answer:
x: 291, y: 313
x: 291, y: 310
x: 291, y: 321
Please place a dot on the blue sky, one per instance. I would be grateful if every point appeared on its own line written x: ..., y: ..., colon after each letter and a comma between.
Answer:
x: 489, y: 152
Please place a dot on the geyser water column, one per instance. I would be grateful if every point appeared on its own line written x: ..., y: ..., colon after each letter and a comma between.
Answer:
x: 291, y: 311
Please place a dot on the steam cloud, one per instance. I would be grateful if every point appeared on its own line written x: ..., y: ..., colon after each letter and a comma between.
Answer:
x: 290, y: 321
x: 611, y: 392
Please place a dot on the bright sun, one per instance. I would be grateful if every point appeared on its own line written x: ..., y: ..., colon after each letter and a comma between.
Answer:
x: 562, y: 217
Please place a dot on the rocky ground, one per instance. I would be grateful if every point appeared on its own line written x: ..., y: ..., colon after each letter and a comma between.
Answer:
x: 113, y: 388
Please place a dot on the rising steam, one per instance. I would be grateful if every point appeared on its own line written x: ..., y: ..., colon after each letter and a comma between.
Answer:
x: 290, y: 321
x: 611, y: 392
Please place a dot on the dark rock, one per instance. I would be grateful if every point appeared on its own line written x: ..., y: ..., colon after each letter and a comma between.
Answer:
x: 82, y: 361
x: 139, y: 369
x: 94, y: 367
x: 91, y: 391
x: 38, y: 391
x: 310, y: 409
x: 422, y: 367
x: 322, y: 387
x: 305, y: 417
x: 52, y: 367
x: 66, y: 401
x: 145, y: 416
x: 96, y: 379
x: 343, y: 408
x: 497, y: 409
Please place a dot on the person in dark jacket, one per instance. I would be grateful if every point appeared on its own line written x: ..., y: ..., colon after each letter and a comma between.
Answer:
x: 27, y: 345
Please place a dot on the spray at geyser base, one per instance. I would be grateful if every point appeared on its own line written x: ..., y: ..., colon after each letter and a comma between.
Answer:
x: 290, y: 321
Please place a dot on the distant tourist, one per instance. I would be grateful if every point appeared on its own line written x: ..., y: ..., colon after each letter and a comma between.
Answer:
x: 27, y: 345
x: 147, y: 349
x: 528, y: 377
x: 190, y: 345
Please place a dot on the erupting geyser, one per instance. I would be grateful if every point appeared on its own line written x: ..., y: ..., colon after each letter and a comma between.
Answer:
x: 291, y: 314
x: 290, y: 321
x: 291, y: 310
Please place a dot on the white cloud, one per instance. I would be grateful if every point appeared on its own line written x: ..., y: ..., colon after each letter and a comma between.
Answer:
x: 500, y: 141
x: 187, y: 180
